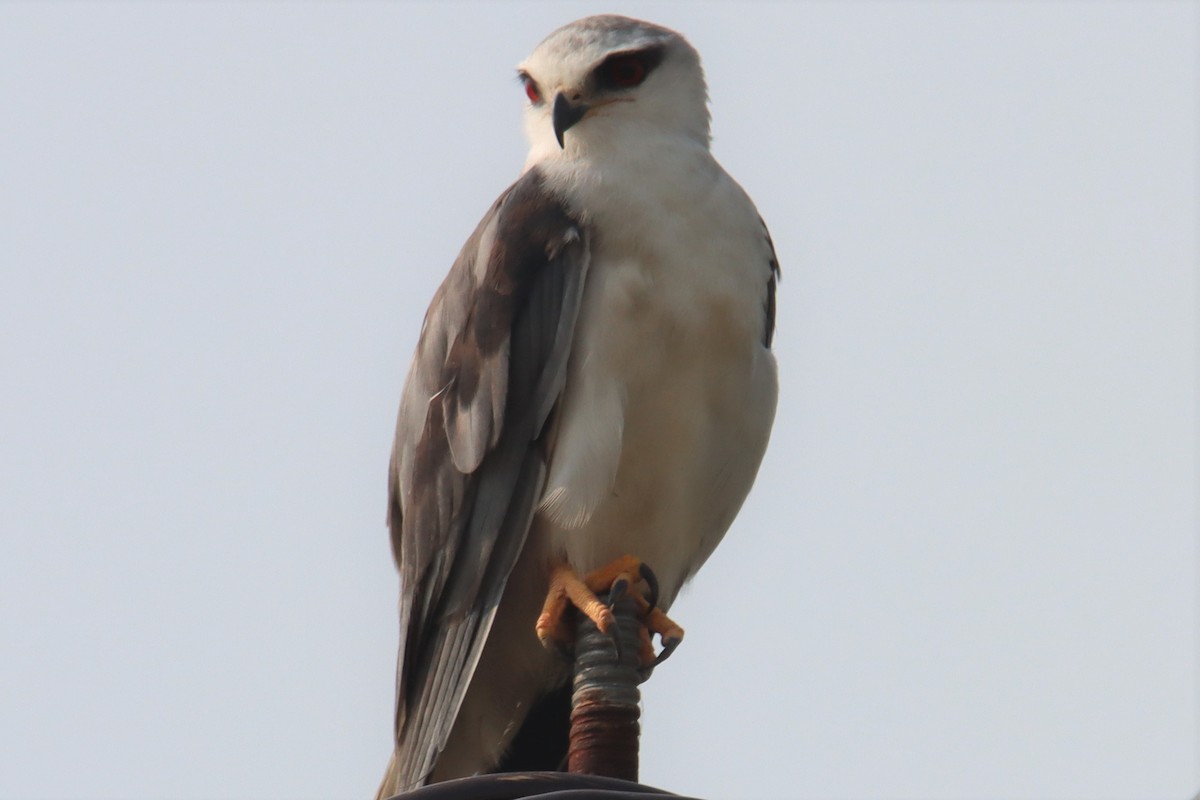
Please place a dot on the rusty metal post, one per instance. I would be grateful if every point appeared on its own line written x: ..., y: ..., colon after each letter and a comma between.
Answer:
x: 605, y: 701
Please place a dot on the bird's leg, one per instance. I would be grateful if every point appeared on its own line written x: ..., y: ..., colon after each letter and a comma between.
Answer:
x: 615, y: 579
x: 552, y: 629
x: 566, y: 585
x: 669, y: 632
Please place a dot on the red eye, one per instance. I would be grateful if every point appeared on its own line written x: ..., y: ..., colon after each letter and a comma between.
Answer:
x: 625, y: 71
x: 531, y: 91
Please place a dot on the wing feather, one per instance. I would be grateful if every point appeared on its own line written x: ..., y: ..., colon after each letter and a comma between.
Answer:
x: 467, y: 467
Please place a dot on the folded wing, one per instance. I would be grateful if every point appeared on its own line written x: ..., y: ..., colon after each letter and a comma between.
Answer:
x: 468, y: 465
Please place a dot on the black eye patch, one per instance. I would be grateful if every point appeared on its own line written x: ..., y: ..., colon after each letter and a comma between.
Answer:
x: 626, y: 70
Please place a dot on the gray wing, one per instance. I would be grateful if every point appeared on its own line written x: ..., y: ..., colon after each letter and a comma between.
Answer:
x: 468, y: 466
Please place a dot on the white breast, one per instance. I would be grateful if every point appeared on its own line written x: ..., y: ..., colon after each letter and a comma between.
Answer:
x: 670, y: 393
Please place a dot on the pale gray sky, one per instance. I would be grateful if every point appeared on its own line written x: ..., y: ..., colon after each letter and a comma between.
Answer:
x: 969, y: 568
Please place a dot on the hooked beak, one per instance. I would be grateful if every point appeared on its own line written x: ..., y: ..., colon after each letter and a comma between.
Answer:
x: 565, y: 115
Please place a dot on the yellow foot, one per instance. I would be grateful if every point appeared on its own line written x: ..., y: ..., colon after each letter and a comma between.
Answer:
x: 566, y: 585
x: 615, y: 579
x: 669, y: 633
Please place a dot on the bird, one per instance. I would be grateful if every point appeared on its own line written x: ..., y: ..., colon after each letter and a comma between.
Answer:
x: 593, y: 384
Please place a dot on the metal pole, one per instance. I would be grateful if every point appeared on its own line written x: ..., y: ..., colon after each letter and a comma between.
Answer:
x: 605, y: 701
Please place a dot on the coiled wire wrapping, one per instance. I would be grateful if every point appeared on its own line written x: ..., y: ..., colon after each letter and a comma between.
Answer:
x: 605, y: 701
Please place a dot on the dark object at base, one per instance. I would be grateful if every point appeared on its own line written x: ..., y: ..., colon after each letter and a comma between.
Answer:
x: 547, y: 785
x: 541, y: 743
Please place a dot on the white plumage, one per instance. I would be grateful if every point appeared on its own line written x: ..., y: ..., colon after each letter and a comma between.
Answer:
x: 661, y: 414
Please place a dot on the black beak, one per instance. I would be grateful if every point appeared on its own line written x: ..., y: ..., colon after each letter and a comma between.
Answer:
x: 565, y: 115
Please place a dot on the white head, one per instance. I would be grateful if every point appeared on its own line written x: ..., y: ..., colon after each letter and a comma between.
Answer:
x: 606, y: 78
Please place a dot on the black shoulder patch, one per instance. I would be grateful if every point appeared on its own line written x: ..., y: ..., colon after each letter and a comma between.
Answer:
x: 772, y: 279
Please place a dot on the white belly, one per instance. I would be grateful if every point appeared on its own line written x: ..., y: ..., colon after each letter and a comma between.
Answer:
x: 668, y: 407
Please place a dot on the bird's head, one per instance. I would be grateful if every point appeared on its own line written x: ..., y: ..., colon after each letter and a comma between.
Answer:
x: 600, y: 80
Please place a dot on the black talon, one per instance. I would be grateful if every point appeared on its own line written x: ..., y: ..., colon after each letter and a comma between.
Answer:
x: 668, y: 647
x: 651, y: 583
x: 614, y: 632
x: 619, y: 588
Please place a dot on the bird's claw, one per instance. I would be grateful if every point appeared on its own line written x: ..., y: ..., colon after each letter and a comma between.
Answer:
x: 651, y: 580
x: 619, y: 587
x: 669, y: 633
x: 669, y: 643
x: 616, y: 580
